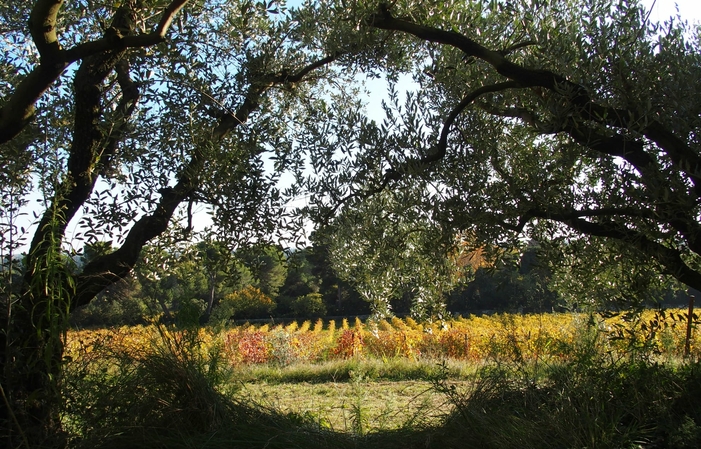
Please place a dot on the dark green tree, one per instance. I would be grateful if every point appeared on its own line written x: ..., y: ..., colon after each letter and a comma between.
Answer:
x: 573, y: 123
x: 340, y: 298
x: 268, y: 264
x: 122, y: 116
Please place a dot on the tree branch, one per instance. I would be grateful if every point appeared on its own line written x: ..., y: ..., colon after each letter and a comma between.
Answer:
x: 256, y: 90
x: 683, y: 157
x: 105, y: 270
x: 42, y: 26
x: 87, y: 143
x: 110, y: 268
x: 18, y: 109
x: 437, y: 153
x: 116, y: 41
x: 441, y: 147
x: 632, y: 151
x: 669, y: 258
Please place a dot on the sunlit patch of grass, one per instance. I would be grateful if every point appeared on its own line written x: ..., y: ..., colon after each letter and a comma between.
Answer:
x: 338, y: 406
x: 341, y: 370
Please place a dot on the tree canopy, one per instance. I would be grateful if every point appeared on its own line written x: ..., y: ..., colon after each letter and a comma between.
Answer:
x: 572, y: 123
x: 122, y: 117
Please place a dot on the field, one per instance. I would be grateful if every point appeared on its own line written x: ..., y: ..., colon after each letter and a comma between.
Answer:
x: 473, y: 339
x: 370, y: 380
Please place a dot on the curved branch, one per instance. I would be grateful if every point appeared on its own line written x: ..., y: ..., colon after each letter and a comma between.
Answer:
x: 508, y: 50
x: 441, y: 148
x: 438, y: 153
x: 18, y: 110
x: 256, y: 90
x: 42, y: 27
x: 632, y: 151
x: 110, y: 268
x: 85, y: 150
x: 669, y: 258
x: 684, y: 158
x: 117, y: 41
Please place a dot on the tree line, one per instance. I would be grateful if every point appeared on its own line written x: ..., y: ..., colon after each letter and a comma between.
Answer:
x: 208, y: 283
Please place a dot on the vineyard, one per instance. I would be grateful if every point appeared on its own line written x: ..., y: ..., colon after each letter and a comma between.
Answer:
x: 473, y: 339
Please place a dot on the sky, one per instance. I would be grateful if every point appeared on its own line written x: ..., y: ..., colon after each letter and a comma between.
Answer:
x: 661, y: 10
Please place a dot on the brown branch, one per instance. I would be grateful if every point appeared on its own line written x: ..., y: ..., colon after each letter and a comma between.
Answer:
x: 125, y: 109
x: 18, y: 110
x: 105, y: 270
x: 526, y: 77
x: 304, y: 71
x: 684, y: 158
x: 108, y: 269
x: 438, y: 152
x: 630, y: 150
x: 669, y: 258
x: 508, y: 50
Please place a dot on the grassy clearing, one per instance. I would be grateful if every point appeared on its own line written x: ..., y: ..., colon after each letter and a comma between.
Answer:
x: 356, y: 407
x: 344, y: 370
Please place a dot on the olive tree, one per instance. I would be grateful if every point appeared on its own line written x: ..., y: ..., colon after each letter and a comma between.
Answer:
x: 566, y: 122
x: 388, y: 251
x: 121, y: 117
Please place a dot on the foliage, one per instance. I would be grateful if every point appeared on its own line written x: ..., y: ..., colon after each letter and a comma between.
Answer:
x: 588, y: 399
x: 171, y: 388
x: 386, y: 251
x: 247, y: 303
x: 574, y: 123
x: 268, y: 266
x: 122, y: 117
x: 309, y: 305
x: 542, y: 381
x: 544, y: 338
x: 570, y: 123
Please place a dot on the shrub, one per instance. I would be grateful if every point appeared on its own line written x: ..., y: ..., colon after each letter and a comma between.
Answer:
x: 309, y: 305
x: 249, y: 302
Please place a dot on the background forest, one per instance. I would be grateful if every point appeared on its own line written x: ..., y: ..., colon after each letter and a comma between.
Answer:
x: 272, y: 284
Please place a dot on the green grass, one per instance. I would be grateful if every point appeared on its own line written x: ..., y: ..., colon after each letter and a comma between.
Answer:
x: 344, y: 406
x: 389, y: 369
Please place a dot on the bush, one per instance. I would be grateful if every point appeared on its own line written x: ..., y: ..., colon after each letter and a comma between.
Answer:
x: 249, y: 302
x: 586, y: 399
x: 309, y: 305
